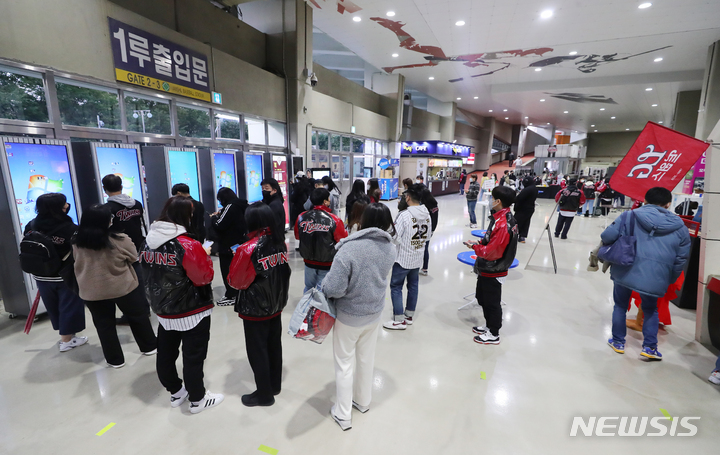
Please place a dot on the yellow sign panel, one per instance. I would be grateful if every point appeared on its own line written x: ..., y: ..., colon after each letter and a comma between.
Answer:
x: 158, y: 84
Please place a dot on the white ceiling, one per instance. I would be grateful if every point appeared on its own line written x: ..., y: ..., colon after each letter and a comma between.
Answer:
x: 602, y: 28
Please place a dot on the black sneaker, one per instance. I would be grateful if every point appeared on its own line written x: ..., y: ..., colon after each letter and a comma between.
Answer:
x: 480, y: 330
x: 557, y: 235
x: 487, y: 338
x: 253, y: 399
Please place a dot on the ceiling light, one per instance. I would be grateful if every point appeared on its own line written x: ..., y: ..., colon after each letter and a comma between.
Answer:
x: 595, y: 131
x: 548, y: 123
x: 565, y: 112
x: 659, y: 59
x: 659, y: 122
x: 396, y: 55
x: 573, y: 53
x: 504, y: 110
x: 547, y: 14
x: 591, y: 126
x: 612, y: 118
x: 649, y: 89
x: 538, y: 69
x: 627, y: 129
x: 390, y: 13
x: 357, y: 18
x: 475, y: 97
x: 526, y: 117
x: 654, y: 105
x: 431, y: 78
x: 645, y: 5
x: 542, y: 100
x: 490, y: 110
x: 507, y: 118
x: 459, y: 99
x: 602, y: 108
x: 530, y: 123
x: 460, y: 23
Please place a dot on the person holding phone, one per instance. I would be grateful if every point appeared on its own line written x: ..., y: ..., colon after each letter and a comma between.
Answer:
x: 229, y: 225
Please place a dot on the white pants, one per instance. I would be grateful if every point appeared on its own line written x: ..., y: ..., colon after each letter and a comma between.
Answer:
x: 354, y: 352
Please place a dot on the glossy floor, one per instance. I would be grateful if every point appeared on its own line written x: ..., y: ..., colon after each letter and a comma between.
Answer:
x: 436, y: 392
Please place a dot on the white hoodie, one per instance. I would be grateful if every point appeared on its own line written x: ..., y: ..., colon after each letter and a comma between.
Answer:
x: 162, y: 232
x: 414, y: 228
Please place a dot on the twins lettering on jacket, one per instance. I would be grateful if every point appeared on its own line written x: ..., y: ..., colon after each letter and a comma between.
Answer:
x: 309, y: 227
x: 273, y: 260
x: 151, y: 257
x: 125, y: 215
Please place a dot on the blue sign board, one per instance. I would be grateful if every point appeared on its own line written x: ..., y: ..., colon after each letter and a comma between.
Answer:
x: 395, y: 162
x: 435, y: 148
x: 388, y: 189
x: 384, y: 163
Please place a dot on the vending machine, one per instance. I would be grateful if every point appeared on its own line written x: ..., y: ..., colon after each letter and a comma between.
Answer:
x: 95, y: 160
x: 165, y: 167
x: 253, y: 171
x: 30, y: 167
x: 277, y: 167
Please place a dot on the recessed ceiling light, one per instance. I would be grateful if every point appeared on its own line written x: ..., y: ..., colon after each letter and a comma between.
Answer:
x: 645, y: 5
x: 475, y: 97
x: 548, y: 123
x: 357, y: 18
x: 538, y: 69
x: 627, y: 129
x: 390, y: 13
x: 659, y: 59
x: 602, y: 108
x: 460, y: 23
x: 490, y: 110
x: 659, y: 122
x: 547, y: 14
x: 654, y: 105
x: 591, y: 126
x: 530, y: 123
x: 565, y: 112
x: 612, y: 118
x: 595, y: 131
x: 573, y: 53
x: 507, y: 118
x: 459, y: 99
x: 526, y: 117
x: 396, y: 55
x: 431, y: 78
x: 542, y: 100
x: 649, y: 89
x: 504, y: 110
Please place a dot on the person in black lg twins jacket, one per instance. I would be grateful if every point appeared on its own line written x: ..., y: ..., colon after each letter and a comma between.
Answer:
x: 261, y: 272
x: 65, y: 308
x: 229, y: 224
x: 178, y: 273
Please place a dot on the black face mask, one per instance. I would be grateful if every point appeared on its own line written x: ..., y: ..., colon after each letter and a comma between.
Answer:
x: 266, y: 195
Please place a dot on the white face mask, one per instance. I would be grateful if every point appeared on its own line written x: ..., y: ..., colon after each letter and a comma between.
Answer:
x: 418, y: 181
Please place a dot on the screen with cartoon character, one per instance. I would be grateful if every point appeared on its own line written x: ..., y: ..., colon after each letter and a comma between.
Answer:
x: 122, y: 162
x: 36, y: 169
x: 224, y: 172
x: 183, y: 169
x: 253, y: 177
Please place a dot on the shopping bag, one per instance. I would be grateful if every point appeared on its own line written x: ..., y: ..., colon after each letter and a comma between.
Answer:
x: 313, y: 317
x: 622, y: 251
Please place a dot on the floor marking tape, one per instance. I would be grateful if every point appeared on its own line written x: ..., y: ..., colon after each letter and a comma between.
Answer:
x: 102, y: 432
x: 482, y: 375
x: 267, y: 449
x: 665, y: 413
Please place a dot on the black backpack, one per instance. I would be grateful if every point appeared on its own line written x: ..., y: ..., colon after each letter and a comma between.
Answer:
x: 38, y: 255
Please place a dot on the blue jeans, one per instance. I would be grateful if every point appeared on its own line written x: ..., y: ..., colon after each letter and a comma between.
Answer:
x: 471, y: 211
x: 396, y: 284
x: 621, y: 296
x: 588, y: 206
x: 717, y: 365
x: 313, y: 277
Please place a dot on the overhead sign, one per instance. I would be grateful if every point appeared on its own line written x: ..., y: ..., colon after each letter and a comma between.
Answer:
x: 217, y: 98
x: 395, y: 162
x: 434, y: 148
x: 659, y: 157
x: 152, y: 62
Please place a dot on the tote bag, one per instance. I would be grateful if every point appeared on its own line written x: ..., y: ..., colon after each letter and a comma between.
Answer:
x: 622, y: 251
x: 313, y: 317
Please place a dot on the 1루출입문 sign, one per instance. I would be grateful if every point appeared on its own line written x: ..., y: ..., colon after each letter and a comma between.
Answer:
x: 143, y: 59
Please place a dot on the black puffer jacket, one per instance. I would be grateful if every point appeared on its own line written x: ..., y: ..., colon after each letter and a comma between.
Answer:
x: 229, y: 225
x: 177, y: 272
x: 261, y: 272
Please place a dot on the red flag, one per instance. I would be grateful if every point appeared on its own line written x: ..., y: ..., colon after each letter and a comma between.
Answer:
x: 659, y: 157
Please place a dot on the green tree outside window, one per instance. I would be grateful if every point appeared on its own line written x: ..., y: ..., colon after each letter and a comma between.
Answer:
x: 22, y: 98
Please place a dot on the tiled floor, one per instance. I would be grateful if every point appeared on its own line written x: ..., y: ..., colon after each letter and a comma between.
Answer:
x: 436, y: 392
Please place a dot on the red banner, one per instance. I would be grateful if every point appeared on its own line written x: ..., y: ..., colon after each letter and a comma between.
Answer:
x: 659, y: 157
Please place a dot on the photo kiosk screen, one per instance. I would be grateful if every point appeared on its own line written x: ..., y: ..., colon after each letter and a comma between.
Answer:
x: 36, y: 169
x: 320, y: 173
x: 253, y: 177
x: 224, y: 172
x: 122, y: 162
x: 183, y: 169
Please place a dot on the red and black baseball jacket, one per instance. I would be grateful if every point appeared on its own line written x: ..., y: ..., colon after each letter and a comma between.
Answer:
x: 496, y: 251
x: 261, y: 272
x: 319, y: 231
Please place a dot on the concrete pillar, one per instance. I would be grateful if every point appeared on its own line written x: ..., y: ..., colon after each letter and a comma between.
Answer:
x: 447, y: 124
x: 708, y: 128
x: 686, y: 112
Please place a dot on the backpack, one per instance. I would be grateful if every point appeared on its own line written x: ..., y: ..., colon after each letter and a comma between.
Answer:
x: 38, y: 255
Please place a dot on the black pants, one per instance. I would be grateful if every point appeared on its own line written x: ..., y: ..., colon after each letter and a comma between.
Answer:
x: 264, y: 351
x: 194, y: 350
x: 489, y: 295
x: 135, y: 307
x: 563, y: 224
x: 225, y: 261
x: 523, y: 223
x: 426, y: 256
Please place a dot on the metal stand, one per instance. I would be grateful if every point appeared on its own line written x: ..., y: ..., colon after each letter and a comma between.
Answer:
x: 552, y: 247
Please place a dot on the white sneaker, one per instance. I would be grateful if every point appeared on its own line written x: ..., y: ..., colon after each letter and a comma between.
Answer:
x: 179, y: 397
x: 473, y: 226
x: 487, y: 338
x: 153, y: 352
x: 362, y: 409
x: 408, y: 320
x: 423, y: 272
x: 209, y: 401
x: 345, y: 425
x: 715, y: 377
x: 115, y: 366
x: 395, y: 325
x: 72, y: 344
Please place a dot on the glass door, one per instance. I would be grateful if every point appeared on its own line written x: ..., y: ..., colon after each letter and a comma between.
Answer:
x: 340, y: 173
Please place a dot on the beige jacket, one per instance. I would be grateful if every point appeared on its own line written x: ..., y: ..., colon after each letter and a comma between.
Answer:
x: 108, y: 273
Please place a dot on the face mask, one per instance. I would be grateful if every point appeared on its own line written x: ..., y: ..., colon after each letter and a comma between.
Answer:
x: 418, y: 181
x: 327, y: 187
x: 266, y: 194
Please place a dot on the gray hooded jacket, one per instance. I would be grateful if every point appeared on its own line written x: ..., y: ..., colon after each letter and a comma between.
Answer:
x: 662, y: 249
x: 358, y: 277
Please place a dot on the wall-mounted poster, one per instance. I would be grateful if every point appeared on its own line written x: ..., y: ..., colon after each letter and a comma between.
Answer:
x: 122, y: 162
x: 253, y: 177
x: 183, y: 169
x: 279, y: 163
x: 37, y: 169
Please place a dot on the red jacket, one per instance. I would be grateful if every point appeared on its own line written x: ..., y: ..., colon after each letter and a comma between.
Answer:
x: 497, y: 249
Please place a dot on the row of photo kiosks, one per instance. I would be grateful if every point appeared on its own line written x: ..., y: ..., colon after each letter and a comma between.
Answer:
x: 32, y: 167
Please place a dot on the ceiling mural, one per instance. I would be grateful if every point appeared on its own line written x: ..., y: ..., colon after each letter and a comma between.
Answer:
x: 342, y: 6
x: 589, y: 63
x: 582, y: 98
